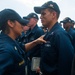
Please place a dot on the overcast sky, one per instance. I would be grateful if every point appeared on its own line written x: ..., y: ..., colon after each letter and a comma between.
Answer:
x: 24, y: 7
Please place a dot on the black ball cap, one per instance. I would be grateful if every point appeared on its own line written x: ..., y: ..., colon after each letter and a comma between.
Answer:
x: 9, y: 14
x: 49, y: 4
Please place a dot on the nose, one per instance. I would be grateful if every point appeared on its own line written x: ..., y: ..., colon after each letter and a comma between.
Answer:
x: 41, y: 17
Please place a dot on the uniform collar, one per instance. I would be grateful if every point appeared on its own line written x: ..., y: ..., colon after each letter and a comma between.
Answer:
x: 11, y: 41
x: 6, y: 37
x: 71, y: 30
x: 51, y: 32
x: 56, y: 25
x: 34, y: 29
x: 23, y: 35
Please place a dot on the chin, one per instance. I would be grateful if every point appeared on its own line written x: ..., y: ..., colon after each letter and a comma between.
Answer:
x: 44, y: 25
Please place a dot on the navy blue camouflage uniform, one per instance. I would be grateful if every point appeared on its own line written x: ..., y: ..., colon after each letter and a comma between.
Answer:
x: 34, y: 52
x: 71, y: 31
x: 57, y: 53
x: 11, y: 57
x: 22, y: 40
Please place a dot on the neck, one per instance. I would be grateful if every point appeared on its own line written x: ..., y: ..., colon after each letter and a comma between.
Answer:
x: 51, y: 25
x: 33, y: 26
x: 12, y: 35
x: 67, y: 29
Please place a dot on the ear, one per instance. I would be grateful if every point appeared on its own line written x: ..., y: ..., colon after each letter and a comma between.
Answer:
x: 10, y: 23
x: 54, y: 14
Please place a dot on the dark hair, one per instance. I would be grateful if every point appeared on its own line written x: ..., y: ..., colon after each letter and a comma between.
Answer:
x: 4, y: 27
x: 52, y: 10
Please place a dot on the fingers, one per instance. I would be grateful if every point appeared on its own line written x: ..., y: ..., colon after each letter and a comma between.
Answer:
x: 42, y: 36
x: 44, y: 41
x: 38, y: 70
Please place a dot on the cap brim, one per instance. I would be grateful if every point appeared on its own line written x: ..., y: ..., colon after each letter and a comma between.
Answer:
x: 62, y: 21
x: 25, y: 17
x: 23, y: 22
x: 38, y: 9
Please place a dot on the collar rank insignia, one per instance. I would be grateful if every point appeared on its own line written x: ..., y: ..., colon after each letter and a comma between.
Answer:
x: 15, y: 48
x: 52, y: 33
